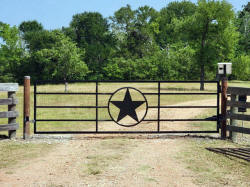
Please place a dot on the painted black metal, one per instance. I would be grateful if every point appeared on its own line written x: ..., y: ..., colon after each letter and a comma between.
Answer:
x: 96, y: 107
x: 107, y: 106
x: 96, y: 119
x: 213, y: 119
x: 158, y: 107
x: 121, y: 81
x: 127, y: 107
x: 218, y: 105
x: 122, y: 132
x: 35, y: 90
x: 242, y: 98
x: 81, y: 93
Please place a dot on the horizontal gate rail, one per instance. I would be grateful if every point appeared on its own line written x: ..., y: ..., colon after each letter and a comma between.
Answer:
x: 84, y: 93
x: 122, y: 132
x: 183, y: 107
x: 121, y: 81
x: 107, y: 106
x: 71, y: 106
x: 112, y: 120
x: 159, y: 92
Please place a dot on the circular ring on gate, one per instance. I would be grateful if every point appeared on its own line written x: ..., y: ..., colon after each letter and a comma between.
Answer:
x: 127, y: 106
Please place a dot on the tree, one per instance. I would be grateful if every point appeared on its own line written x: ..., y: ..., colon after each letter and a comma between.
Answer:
x: 211, y: 33
x: 11, y: 52
x: 60, y: 61
x: 243, y: 26
x: 155, y: 67
x: 134, y: 30
x: 241, y: 68
x: 91, y: 32
x: 37, y: 40
x: 174, y: 10
x: 141, y: 41
x: 30, y: 26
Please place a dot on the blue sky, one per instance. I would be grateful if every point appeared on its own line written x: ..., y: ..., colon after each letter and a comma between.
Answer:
x: 57, y: 13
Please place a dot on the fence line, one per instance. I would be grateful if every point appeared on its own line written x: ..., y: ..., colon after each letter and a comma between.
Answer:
x: 11, y: 114
x: 234, y: 104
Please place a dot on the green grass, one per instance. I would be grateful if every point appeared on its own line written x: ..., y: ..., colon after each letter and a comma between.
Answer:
x: 14, y: 152
x: 237, y: 83
x: 212, y: 169
x: 205, y: 125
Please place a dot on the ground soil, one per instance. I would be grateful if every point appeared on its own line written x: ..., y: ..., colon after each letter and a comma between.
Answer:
x: 105, y: 160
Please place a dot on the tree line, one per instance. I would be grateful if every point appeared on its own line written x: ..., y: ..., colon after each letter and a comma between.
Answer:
x: 182, y: 41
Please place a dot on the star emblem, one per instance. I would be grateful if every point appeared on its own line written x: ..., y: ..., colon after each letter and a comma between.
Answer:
x: 127, y: 107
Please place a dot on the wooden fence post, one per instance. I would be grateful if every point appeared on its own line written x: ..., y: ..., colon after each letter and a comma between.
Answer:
x: 12, y: 120
x: 233, y: 122
x: 224, y: 108
x: 26, y: 107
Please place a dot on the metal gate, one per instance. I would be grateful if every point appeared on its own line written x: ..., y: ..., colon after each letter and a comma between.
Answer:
x: 127, y: 105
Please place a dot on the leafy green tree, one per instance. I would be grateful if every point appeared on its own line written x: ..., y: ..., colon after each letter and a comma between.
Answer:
x: 62, y: 61
x: 181, y: 58
x: 174, y: 10
x: 30, y: 26
x: 37, y: 40
x: 211, y: 33
x: 91, y: 32
x: 241, y: 68
x: 134, y: 30
x: 243, y: 26
x: 155, y: 67
x: 11, y: 52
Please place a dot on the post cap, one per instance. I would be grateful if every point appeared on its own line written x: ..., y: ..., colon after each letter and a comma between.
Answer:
x: 27, y: 77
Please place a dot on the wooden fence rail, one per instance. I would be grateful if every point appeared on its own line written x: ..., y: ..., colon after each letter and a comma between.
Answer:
x: 234, y: 104
x: 11, y: 114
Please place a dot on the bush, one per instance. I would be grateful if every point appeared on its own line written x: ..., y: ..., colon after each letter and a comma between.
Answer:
x: 241, y: 68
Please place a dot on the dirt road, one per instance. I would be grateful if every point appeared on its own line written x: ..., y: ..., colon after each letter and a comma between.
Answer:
x: 120, y: 160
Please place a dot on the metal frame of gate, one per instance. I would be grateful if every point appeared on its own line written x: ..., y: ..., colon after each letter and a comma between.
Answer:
x: 97, y: 120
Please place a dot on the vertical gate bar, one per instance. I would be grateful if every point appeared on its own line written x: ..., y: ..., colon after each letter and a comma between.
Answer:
x: 96, y: 91
x: 35, y: 108
x: 224, y: 107
x: 218, y: 106
x: 159, y: 90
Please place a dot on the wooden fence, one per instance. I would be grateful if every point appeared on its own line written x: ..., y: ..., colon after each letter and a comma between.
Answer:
x: 233, y: 115
x: 11, y: 114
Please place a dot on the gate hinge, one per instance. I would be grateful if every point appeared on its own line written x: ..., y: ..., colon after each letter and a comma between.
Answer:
x: 28, y: 120
x: 219, y: 91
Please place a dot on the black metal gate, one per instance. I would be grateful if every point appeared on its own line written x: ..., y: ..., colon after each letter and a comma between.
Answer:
x: 124, y: 100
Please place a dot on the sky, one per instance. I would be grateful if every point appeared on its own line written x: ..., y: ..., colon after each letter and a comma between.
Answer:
x: 54, y: 14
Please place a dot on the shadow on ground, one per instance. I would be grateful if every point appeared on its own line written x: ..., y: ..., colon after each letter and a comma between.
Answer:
x: 241, y: 153
x: 3, y: 137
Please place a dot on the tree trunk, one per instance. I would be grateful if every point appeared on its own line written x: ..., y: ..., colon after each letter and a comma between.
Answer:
x: 202, y: 61
x: 202, y: 77
x: 65, y: 85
